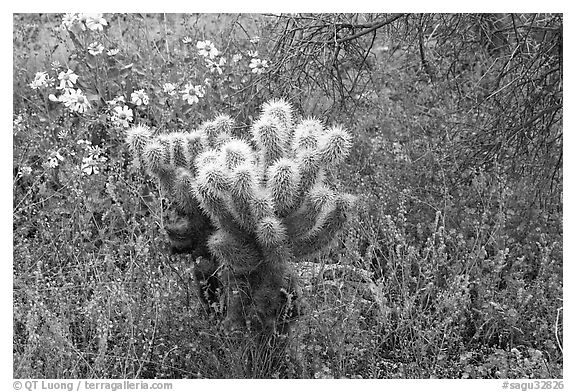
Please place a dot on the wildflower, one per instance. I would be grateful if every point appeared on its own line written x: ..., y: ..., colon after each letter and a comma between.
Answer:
x: 95, y: 22
x: 55, y: 65
x: 41, y: 79
x: 258, y: 66
x: 207, y: 49
x: 254, y: 40
x: 122, y: 116
x: 53, y: 161
x: 191, y: 93
x: 89, y: 166
x: 237, y: 57
x: 95, y: 48
x: 113, y: 52
x: 67, y: 79
x: 75, y: 100
x: 70, y: 21
x: 253, y: 53
x: 25, y: 171
x: 90, y: 163
x: 187, y: 40
x: 139, y: 98
x: 216, y: 66
x: 169, y: 88
x: 116, y: 100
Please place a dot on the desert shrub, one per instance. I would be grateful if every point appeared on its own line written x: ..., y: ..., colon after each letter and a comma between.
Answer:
x: 451, y: 268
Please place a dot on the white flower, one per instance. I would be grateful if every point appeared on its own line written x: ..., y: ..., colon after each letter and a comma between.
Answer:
x: 41, y: 79
x: 95, y: 22
x: 122, y: 116
x: 187, y: 40
x: 53, y: 160
x: 258, y: 66
x: 51, y: 163
x: 71, y: 21
x: 75, y: 100
x: 191, y: 93
x: 116, y: 100
x: 255, y: 39
x: 169, y: 88
x: 236, y: 58
x: 139, y: 98
x: 55, y: 65
x: 91, y: 161
x: 253, y: 53
x: 95, y: 48
x: 67, y: 79
x: 113, y: 52
x: 207, y: 49
x: 216, y: 66
x: 89, y: 165
x: 25, y: 171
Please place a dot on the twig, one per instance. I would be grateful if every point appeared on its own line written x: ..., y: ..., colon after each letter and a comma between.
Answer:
x: 556, y: 329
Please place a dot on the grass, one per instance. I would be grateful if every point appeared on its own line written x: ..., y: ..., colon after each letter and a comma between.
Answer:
x: 449, y: 269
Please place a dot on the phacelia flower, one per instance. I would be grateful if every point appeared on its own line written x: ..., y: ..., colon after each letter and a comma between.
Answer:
x: 191, y: 93
x: 258, y: 66
x: 139, y: 98
x: 95, y: 48
x: 122, y: 116
x: 207, y: 49
x: 67, y: 79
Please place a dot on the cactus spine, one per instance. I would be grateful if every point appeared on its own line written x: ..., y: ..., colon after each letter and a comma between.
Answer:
x: 268, y: 205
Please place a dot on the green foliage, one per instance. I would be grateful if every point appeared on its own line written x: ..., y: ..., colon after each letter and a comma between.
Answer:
x: 451, y: 268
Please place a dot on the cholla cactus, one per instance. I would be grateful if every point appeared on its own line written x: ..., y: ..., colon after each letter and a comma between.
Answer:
x: 268, y: 205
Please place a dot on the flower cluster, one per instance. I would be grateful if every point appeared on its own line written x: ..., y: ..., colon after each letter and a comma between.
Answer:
x: 53, y: 161
x: 41, y: 79
x: 169, y: 88
x: 73, y: 98
x: 214, y: 66
x: 258, y: 66
x: 76, y: 22
x: 91, y: 162
x: 95, y: 48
